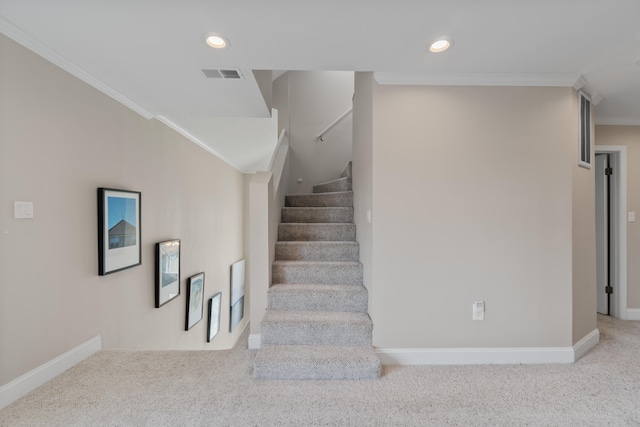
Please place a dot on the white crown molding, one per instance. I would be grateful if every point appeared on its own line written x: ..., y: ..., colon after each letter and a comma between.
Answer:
x: 196, y: 141
x: 479, y: 79
x: 28, y: 382
x: 40, y: 49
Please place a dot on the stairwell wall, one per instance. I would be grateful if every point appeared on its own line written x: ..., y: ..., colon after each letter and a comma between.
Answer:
x: 362, y: 178
x: 472, y: 200
x: 314, y: 99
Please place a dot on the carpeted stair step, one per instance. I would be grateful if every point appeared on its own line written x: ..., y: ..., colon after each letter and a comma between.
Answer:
x: 312, y: 297
x: 340, y: 184
x: 317, y: 251
x: 315, y: 215
x: 317, y: 272
x: 287, y: 362
x: 333, y: 328
x: 339, y: 199
x: 321, y: 232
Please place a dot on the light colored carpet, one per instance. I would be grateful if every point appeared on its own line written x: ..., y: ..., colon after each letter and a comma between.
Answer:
x: 127, y: 388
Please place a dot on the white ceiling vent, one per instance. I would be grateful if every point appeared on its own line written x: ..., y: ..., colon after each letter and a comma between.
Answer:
x: 222, y: 74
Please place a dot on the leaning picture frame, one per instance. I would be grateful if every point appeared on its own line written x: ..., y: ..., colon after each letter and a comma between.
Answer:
x: 119, y: 230
x: 236, y: 311
x: 215, y: 303
x: 167, y: 271
x: 195, y: 298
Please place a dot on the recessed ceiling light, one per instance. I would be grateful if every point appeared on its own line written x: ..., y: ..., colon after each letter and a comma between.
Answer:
x: 216, y: 42
x: 440, y: 45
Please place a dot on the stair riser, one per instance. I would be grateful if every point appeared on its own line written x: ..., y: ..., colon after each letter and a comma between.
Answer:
x: 317, y: 232
x: 317, y: 274
x: 326, y: 200
x: 318, y: 302
x: 317, y: 251
x: 342, y: 184
x: 346, y: 334
x: 317, y: 215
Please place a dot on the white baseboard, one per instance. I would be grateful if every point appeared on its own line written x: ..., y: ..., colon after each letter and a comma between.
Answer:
x: 633, y: 313
x: 254, y: 342
x: 487, y: 356
x: 28, y: 382
x: 583, y: 346
x: 475, y: 356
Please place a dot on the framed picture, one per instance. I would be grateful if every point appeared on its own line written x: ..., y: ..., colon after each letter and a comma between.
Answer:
x: 119, y: 223
x: 215, y: 302
x: 237, y: 294
x: 195, y: 297
x: 167, y: 271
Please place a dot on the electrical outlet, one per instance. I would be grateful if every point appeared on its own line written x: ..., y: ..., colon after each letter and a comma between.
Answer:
x: 478, y: 310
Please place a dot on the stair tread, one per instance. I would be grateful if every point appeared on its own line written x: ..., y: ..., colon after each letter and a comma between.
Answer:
x: 313, y: 297
x: 317, y: 207
x: 316, y: 287
x: 332, y: 199
x: 327, y: 263
x: 320, y: 194
x: 318, y: 243
x: 317, y: 362
x: 316, y: 317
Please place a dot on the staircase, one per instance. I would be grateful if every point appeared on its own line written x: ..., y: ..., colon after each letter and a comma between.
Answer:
x: 316, y: 324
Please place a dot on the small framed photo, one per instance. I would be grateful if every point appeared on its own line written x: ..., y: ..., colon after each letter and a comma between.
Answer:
x: 195, y: 297
x: 119, y: 224
x: 167, y: 271
x: 237, y: 294
x: 215, y: 302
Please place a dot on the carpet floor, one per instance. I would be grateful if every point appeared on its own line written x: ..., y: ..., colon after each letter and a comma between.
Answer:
x: 216, y: 388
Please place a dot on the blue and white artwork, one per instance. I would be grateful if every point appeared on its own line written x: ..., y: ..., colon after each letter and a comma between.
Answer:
x: 122, y: 216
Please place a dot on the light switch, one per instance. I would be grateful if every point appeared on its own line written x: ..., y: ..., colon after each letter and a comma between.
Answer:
x: 23, y: 210
x: 632, y: 216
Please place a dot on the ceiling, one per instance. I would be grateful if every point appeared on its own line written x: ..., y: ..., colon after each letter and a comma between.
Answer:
x: 150, y: 54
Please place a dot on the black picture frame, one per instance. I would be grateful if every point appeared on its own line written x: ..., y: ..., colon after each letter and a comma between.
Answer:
x: 167, y: 271
x: 195, y: 300
x: 119, y: 230
x: 215, y: 305
x: 236, y: 311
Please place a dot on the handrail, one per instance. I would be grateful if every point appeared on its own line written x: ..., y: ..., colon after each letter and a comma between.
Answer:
x: 320, y: 136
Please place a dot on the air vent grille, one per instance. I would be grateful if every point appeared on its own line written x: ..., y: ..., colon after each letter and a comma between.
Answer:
x: 222, y: 74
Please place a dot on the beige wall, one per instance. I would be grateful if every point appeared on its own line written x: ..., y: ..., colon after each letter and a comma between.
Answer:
x: 472, y: 200
x: 584, y: 238
x: 59, y: 141
x: 628, y: 136
x: 315, y: 99
x: 362, y: 173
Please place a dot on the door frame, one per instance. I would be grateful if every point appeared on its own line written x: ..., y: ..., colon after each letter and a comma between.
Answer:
x: 619, y: 163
